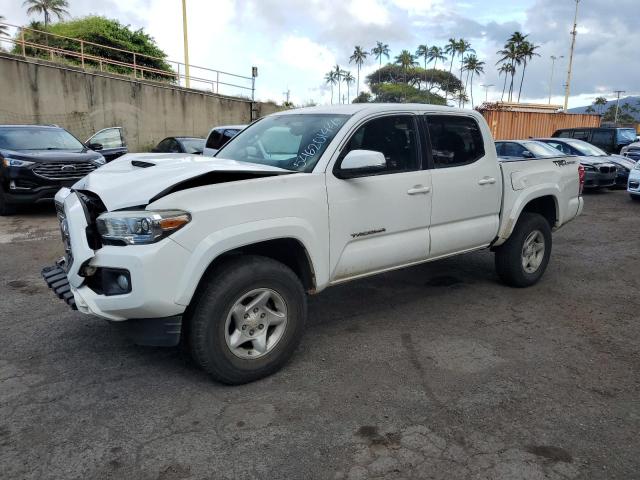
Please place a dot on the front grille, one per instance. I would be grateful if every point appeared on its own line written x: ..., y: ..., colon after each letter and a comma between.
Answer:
x: 607, y: 169
x: 63, y: 170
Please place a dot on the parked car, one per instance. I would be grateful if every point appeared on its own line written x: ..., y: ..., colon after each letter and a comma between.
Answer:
x: 634, y: 182
x: 601, y: 169
x: 37, y: 160
x: 223, y: 250
x: 632, y: 151
x: 192, y: 145
x: 109, y: 142
x: 530, y: 149
x: 609, y: 139
x: 218, y: 136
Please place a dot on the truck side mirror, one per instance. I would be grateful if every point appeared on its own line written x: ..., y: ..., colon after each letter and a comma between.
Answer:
x: 359, y: 163
x: 95, y: 146
x: 527, y: 154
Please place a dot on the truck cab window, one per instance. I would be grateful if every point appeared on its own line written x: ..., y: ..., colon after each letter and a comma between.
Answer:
x: 394, y: 136
x: 455, y: 140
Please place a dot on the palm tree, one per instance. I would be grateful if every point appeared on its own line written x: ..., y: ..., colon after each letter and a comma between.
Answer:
x: 348, y: 79
x: 451, y: 48
x: 506, y: 69
x: 526, y: 50
x: 47, y: 8
x: 358, y: 57
x: 463, y: 47
x: 405, y: 60
x: 379, y: 51
x: 3, y: 28
x: 337, y: 72
x: 600, y: 102
x: 435, y: 54
x: 330, y: 79
x: 461, y: 97
x: 475, y: 67
x: 511, y: 56
x: 423, y: 51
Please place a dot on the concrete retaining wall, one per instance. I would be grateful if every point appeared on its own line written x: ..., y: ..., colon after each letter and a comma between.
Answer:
x: 33, y: 91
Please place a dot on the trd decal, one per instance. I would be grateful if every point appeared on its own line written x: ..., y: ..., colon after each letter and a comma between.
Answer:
x: 564, y: 163
x: 368, y: 232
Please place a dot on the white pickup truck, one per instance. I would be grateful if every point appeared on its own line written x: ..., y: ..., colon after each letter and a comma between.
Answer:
x: 221, y: 252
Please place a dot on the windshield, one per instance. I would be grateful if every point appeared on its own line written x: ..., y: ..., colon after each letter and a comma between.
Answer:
x: 193, y: 145
x: 627, y: 135
x: 293, y: 142
x: 34, y: 138
x: 587, y: 149
x: 542, y: 150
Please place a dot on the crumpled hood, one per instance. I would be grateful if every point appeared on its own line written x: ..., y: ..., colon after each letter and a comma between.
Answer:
x: 128, y: 181
x: 594, y: 161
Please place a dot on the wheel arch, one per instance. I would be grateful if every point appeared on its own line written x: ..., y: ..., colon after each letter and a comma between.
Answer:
x: 544, y: 202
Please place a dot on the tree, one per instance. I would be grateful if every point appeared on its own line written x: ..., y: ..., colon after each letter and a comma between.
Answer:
x: 106, y: 33
x: 463, y: 47
x: 348, y: 79
x: 338, y: 72
x: 511, y: 56
x: 599, y: 103
x: 423, y: 51
x: 435, y: 54
x: 331, y: 79
x: 364, y: 97
x: 526, y: 51
x: 476, y: 67
x: 589, y: 109
x: 47, y: 8
x: 451, y: 49
x: 505, y: 68
x: 358, y: 57
x: 379, y: 51
x: 405, y: 60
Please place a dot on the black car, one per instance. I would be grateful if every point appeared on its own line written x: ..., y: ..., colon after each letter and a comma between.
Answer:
x: 609, y: 139
x: 191, y: 145
x: 37, y: 160
x: 591, y: 157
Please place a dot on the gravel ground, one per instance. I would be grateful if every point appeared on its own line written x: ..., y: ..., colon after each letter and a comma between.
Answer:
x: 436, y: 371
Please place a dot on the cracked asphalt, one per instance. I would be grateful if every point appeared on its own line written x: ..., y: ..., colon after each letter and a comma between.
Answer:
x: 436, y: 371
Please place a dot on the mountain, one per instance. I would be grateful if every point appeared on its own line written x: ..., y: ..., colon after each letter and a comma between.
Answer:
x: 633, y: 100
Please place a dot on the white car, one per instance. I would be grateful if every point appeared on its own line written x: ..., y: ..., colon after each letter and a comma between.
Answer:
x: 633, y: 187
x: 224, y: 250
x: 218, y: 136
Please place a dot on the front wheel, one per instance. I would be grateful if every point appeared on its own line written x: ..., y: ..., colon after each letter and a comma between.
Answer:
x: 523, y: 258
x: 247, y: 319
x: 635, y: 197
x: 5, y: 209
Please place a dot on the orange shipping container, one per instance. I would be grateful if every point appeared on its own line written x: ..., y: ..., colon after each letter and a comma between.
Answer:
x: 510, y: 125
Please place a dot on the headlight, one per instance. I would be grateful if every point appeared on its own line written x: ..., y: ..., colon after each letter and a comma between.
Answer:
x: 589, y: 168
x: 100, y: 161
x: 14, y: 162
x: 140, y: 227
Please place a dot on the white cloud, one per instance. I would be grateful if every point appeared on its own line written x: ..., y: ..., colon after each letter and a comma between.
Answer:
x: 369, y: 12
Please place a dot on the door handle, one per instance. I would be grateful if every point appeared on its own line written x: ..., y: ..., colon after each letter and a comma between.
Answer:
x: 418, y: 189
x: 486, y: 181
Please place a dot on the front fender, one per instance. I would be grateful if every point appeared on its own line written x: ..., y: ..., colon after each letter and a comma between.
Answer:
x: 237, y: 236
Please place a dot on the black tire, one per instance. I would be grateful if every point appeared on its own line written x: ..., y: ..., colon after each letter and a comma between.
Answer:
x: 5, y: 209
x: 635, y: 197
x: 217, y: 295
x: 508, y: 256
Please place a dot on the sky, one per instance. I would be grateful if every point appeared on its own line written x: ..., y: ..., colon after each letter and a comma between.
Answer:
x: 295, y: 42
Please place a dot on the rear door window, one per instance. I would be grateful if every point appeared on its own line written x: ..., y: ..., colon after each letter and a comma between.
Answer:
x: 581, y: 135
x: 602, y: 138
x: 455, y: 140
x: 215, y: 139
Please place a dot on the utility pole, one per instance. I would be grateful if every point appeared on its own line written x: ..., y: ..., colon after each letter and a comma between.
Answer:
x: 186, y: 43
x: 617, y: 92
x: 553, y: 64
x: 574, y: 32
x: 287, y: 94
x: 486, y: 90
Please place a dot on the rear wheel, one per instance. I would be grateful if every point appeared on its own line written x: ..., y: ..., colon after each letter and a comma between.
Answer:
x: 523, y: 258
x: 247, y: 320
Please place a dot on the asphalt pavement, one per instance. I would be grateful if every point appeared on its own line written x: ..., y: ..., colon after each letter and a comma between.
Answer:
x: 436, y: 371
